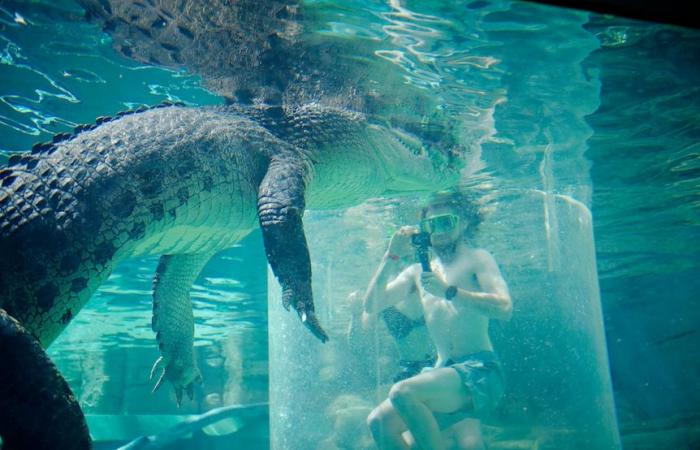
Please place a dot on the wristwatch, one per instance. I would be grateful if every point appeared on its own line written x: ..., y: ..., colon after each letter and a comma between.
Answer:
x: 450, y: 292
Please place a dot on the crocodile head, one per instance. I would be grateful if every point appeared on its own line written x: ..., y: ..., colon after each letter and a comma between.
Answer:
x: 416, y: 164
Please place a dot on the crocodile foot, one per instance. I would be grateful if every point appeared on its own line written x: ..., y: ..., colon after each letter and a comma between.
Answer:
x: 305, y: 309
x: 183, y: 379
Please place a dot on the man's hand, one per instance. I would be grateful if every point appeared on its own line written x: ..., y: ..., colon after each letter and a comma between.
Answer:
x: 433, y: 284
x: 400, y: 244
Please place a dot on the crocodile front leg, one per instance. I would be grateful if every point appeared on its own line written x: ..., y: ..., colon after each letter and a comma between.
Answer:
x: 173, y: 321
x: 37, y: 408
x: 280, y: 210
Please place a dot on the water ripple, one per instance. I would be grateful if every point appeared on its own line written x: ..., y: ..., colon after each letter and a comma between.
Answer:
x: 57, y: 72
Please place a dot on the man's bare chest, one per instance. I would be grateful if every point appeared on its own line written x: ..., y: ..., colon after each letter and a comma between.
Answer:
x: 461, y: 273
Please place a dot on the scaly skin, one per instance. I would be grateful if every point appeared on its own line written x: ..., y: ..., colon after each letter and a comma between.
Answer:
x: 183, y: 181
x: 34, y: 396
x: 173, y: 321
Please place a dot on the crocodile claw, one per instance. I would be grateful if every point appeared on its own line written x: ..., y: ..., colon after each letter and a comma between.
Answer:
x: 311, y: 322
x: 189, y: 389
x: 305, y: 309
x: 182, y: 380
x: 286, y: 302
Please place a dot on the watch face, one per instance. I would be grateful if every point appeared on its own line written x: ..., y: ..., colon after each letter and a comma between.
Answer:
x: 450, y: 292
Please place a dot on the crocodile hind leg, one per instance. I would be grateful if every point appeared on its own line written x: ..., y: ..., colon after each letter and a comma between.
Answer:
x: 37, y: 408
x: 280, y: 209
x: 173, y: 321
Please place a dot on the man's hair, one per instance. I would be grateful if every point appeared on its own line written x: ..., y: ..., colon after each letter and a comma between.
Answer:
x: 459, y: 202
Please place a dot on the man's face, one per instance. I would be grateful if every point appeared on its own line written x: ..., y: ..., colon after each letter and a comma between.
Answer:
x: 443, y: 224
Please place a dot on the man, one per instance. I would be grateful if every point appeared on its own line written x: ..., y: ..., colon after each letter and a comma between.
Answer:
x: 463, y: 290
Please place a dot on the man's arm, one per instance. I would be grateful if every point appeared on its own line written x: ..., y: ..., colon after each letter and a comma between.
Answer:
x: 359, y: 342
x: 494, y: 299
x: 387, y: 288
x: 389, y: 284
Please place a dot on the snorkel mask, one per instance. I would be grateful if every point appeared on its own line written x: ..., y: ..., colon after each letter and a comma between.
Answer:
x: 439, y: 224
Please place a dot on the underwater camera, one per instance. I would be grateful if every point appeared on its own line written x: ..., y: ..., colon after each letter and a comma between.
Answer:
x: 421, y: 242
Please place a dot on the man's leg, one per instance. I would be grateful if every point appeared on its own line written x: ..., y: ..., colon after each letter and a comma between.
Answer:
x: 468, y: 434
x: 415, y: 399
x: 387, y: 427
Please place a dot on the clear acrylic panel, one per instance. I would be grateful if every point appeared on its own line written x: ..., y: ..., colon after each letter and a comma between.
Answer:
x: 557, y: 384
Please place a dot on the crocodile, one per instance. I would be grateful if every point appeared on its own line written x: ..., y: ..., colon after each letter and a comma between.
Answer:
x: 183, y: 182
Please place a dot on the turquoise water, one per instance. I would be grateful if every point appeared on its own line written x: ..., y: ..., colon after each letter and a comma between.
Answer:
x: 600, y: 110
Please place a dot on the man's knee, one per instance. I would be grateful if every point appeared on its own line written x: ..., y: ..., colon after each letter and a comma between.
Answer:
x: 471, y: 442
x: 468, y: 434
x: 402, y: 394
x: 374, y: 419
x: 384, y: 423
x: 377, y: 420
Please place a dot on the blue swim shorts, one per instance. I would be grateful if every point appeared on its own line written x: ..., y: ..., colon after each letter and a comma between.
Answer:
x: 482, y: 376
x: 409, y: 368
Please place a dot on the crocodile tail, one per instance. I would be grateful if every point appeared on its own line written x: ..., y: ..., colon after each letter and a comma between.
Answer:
x: 37, y: 408
x: 27, y: 161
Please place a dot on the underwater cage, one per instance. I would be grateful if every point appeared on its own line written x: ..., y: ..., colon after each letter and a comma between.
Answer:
x: 533, y: 190
x: 558, y: 393
x: 524, y: 87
